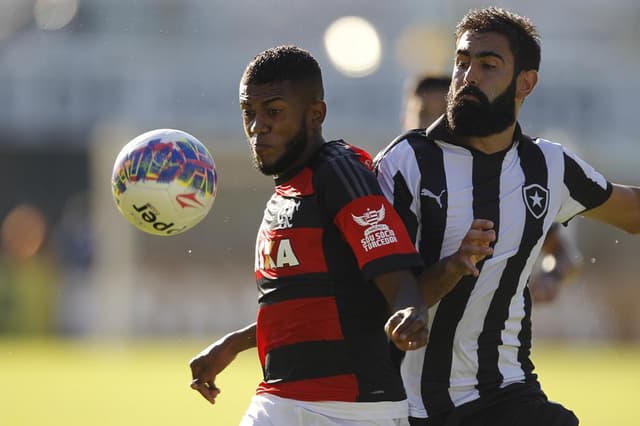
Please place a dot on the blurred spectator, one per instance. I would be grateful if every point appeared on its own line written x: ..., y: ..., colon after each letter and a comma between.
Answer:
x: 425, y: 100
x: 28, y: 273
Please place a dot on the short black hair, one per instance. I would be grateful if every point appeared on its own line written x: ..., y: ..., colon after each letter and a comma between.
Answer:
x: 428, y: 82
x: 285, y: 63
x: 523, y: 37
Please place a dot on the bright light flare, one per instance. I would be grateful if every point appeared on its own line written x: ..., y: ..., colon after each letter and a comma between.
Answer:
x: 548, y: 263
x: 54, y: 14
x: 353, y: 46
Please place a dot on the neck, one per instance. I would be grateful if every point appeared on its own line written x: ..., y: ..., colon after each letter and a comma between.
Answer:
x: 314, y: 143
x: 493, y: 143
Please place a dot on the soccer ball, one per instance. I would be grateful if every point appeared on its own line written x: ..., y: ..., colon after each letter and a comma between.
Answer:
x: 164, y: 181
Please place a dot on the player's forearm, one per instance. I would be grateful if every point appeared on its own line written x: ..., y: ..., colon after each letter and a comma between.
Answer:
x: 240, y: 340
x: 438, y: 280
x: 400, y: 290
x: 621, y: 210
x: 246, y: 338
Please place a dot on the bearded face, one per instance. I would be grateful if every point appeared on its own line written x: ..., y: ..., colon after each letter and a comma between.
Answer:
x: 478, y: 117
x: 292, y: 150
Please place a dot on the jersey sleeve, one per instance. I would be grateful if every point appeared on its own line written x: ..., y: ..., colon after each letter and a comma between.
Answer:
x: 585, y: 188
x: 367, y: 221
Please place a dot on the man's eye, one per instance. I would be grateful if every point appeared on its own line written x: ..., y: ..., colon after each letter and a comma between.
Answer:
x: 274, y: 111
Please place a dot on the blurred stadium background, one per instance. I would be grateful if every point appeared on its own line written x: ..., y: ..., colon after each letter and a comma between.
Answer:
x: 79, y: 78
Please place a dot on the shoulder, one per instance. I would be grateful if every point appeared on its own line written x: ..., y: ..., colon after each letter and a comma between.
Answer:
x: 409, y: 143
x: 546, y: 144
x: 552, y: 151
x: 341, y: 157
x: 340, y: 150
x: 401, y: 146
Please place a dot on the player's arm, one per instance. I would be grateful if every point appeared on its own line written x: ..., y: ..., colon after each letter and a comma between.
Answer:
x: 440, y: 278
x: 621, y: 210
x: 381, y: 245
x: 216, y: 357
x: 407, y: 326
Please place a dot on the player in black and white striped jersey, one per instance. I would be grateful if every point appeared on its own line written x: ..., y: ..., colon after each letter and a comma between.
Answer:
x: 475, y: 163
x: 425, y: 100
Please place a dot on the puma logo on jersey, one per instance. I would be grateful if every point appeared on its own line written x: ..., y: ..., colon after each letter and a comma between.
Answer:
x: 425, y: 192
x: 274, y: 254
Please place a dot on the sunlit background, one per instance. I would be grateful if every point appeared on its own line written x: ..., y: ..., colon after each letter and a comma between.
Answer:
x: 80, y: 78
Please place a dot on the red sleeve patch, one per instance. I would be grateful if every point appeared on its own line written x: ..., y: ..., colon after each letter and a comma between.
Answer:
x: 373, y: 229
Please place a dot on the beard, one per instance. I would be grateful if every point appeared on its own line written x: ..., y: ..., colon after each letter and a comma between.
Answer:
x: 468, y: 118
x: 293, y: 149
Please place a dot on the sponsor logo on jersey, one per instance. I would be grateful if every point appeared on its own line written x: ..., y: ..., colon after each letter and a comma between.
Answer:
x: 426, y: 193
x: 536, y: 198
x: 376, y: 234
x: 274, y: 254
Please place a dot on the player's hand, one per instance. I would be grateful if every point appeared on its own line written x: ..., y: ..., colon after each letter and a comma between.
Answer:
x: 207, y: 365
x: 407, y: 328
x: 475, y: 246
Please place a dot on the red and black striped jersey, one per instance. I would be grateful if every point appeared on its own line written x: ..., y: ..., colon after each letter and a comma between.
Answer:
x: 326, y: 232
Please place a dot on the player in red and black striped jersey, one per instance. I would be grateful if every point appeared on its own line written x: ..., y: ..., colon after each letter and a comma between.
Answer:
x: 333, y: 262
x: 327, y: 232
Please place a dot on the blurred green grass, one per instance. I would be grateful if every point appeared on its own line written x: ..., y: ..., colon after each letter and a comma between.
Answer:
x: 114, y: 383
x: 65, y: 382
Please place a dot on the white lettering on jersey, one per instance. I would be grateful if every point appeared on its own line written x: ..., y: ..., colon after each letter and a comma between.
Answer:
x: 263, y: 254
x: 284, y: 254
x: 375, y: 234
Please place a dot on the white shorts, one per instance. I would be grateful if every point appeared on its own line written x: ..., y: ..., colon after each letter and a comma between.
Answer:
x: 271, y: 410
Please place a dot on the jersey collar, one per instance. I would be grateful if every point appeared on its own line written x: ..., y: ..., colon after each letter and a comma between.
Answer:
x: 439, y: 130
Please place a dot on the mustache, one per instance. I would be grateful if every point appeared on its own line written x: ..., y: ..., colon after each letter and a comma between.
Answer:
x: 473, y: 91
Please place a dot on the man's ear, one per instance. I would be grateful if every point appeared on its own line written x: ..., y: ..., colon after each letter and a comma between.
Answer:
x: 316, y: 114
x: 525, y: 83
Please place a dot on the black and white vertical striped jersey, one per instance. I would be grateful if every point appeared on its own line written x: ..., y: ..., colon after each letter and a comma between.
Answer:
x: 481, y: 331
